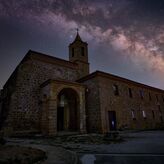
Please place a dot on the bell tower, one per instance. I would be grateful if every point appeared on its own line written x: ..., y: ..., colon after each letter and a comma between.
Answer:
x: 78, y: 53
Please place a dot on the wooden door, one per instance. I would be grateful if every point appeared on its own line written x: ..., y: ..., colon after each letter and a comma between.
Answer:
x: 112, y: 120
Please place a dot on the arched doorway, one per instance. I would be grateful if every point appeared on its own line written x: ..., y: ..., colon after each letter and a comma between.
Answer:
x: 68, y: 110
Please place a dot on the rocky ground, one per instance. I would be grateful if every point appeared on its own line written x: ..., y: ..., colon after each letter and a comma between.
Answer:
x: 60, y: 149
x: 144, y: 147
x: 11, y: 154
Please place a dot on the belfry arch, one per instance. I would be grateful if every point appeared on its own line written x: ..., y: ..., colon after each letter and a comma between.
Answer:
x: 68, y: 110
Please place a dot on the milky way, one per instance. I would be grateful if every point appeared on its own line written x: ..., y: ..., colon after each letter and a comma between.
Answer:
x: 126, y: 37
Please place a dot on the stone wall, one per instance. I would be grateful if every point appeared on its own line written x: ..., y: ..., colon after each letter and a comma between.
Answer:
x: 123, y: 104
x: 93, y: 119
x: 25, y: 101
x: 83, y: 69
x: 6, y: 94
x: 50, y: 91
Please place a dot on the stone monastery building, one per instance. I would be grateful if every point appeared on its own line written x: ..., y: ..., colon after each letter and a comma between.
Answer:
x: 49, y: 95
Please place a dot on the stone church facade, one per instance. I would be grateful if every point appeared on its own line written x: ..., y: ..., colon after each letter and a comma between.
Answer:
x: 49, y: 95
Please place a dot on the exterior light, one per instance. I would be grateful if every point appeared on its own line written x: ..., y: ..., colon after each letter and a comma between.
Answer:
x: 63, y: 101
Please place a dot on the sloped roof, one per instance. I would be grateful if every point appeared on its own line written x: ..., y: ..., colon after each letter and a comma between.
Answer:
x: 78, y: 39
x: 49, y: 59
x: 44, y: 58
x: 121, y: 79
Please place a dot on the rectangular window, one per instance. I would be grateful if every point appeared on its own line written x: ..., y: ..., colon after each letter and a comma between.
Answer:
x: 115, y: 90
x: 160, y: 113
x: 144, y: 114
x: 130, y: 93
x: 141, y: 94
x: 149, y: 96
x: 156, y: 97
x: 133, y: 115
x: 153, y: 114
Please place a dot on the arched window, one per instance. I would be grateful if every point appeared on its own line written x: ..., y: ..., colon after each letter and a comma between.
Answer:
x: 82, y: 51
x: 115, y: 89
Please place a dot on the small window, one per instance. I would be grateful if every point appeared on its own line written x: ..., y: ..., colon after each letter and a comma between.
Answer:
x: 73, y: 52
x: 141, y: 94
x: 153, y: 114
x: 144, y: 114
x: 160, y: 115
x: 163, y: 98
x: 82, y: 51
x: 115, y: 90
x: 130, y: 93
x: 133, y: 115
x: 156, y: 97
x: 150, y: 96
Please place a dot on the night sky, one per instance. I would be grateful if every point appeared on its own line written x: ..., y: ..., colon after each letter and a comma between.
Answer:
x: 125, y: 37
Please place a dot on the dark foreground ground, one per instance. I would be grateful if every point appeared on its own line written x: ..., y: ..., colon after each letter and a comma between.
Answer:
x: 138, y: 148
x: 144, y: 147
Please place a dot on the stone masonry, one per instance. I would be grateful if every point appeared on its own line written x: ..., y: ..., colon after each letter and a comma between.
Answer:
x: 44, y: 93
x: 129, y: 108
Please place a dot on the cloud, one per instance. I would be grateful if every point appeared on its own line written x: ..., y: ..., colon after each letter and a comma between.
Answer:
x: 142, y: 52
x: 134, y: 28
